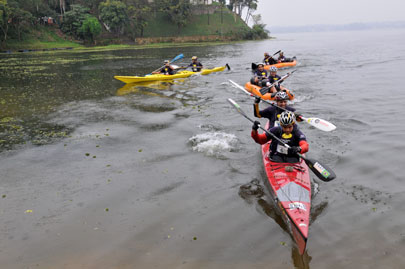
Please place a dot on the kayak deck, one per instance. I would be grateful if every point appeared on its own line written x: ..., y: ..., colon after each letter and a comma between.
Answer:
x: 282, y: 65
x: 290, y: 186
x: 254, y: 89
x: 160, y: 77
x: 154, y: 77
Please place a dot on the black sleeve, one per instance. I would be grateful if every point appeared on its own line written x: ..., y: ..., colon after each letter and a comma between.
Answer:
x: 267, y: 112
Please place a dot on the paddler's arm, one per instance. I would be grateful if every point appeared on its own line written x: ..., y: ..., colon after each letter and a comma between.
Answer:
x: 256, y: 110
x: 289, y: 93
x: 258, y: 138
x: 302, y: 142
x: 298, y: 116
x: 304, y: 146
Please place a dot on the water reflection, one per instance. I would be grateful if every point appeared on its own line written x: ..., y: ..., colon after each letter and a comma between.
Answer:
x: 254, y: 191
x: 145, y: 86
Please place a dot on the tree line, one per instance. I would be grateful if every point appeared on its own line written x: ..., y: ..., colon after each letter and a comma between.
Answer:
x: 85, y: 19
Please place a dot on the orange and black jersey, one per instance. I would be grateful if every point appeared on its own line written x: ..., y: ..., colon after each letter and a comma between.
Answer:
x: 296, y: 138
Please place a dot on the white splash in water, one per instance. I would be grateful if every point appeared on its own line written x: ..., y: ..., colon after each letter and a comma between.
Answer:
x: 214, y: 143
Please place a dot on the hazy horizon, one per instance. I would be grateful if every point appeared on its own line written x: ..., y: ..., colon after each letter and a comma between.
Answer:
x: 336, y: 27
x: 313, y: 12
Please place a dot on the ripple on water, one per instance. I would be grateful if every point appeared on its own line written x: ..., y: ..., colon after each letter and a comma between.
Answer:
x: 214, y: 144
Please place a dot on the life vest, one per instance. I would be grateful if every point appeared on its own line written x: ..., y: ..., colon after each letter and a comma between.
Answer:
x: 291, y: 139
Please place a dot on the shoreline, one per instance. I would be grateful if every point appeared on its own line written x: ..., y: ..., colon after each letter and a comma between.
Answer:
x: 79, y: 47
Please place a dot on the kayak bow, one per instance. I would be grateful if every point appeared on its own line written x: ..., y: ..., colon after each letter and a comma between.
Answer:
x: 290, y: 187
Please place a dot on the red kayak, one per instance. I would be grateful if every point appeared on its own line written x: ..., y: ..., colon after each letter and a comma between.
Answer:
x: 290, y: 186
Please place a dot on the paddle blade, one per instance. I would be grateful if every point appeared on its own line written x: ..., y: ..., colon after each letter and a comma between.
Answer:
x: 228, y: 67
x: 264, y: 90
x: 254, y: 66
x: 235, y: 105
x: 178, y: 57
x: 320, y: 124
x: 240, y: 87
x: 322, y: 171
x: 277, y: 52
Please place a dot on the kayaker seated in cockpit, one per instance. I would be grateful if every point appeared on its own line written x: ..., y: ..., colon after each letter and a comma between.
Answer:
x: 282, y: 59
x: 260, y: 76
x: 167, y: 69
x: 195, y: 65
x: 273, y: 78
x: 268, y: 60
x: 272, y: 113
x: 289, y: 133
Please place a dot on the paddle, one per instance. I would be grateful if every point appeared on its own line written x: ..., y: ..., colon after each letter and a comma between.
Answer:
x: 265, y: 90
x: 322, y: 171
x: 254, y: 66
x: 178, y: 57
x: 318, y: 123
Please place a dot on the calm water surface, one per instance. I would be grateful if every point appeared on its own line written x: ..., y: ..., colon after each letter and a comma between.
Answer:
x: 95, y: 174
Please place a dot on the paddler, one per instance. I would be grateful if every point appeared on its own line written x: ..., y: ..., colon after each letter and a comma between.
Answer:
x: 268, y: 60
x: 167, y: 69
x: 195, y: 65
x: 260, y: 76
x: 274, y: 78
x: 272, y: 113
x: 288, y: 132
x: 281, y: 58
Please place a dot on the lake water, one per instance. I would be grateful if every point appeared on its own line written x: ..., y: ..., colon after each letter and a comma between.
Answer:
x: 95, y: 174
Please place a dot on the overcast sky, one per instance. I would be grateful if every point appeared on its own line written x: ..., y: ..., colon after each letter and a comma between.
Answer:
x: 305, y: 12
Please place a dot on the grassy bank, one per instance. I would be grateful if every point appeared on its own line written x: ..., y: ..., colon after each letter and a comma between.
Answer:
x: 216, y: 28
x: 199, y: 25
x: 41, y: 38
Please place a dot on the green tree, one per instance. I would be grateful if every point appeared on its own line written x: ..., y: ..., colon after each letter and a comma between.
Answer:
x: 252, y: 6
x: 114, y: 15
x: 177, y: 11
x: 90, y: 28
x: 20, y: 21
x: 259, y: 28
x: 13, y: 19
x: 73, y: 20
x: 5, y: 17
x: 222, y: 2
x: 139, y: 12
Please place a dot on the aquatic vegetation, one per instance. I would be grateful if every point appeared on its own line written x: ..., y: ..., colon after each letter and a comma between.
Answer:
x: 14, y: 132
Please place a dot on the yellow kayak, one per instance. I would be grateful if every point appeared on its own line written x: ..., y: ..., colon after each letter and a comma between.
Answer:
x: 159, y: 77
x: 216, y: 69
x: 143, y: 87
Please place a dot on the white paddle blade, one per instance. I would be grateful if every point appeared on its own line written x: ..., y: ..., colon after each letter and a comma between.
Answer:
x: 239, y: 87
x: 234, y: 104
x: 320, y: 124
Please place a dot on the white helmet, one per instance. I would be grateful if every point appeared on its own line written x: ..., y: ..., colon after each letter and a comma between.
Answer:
x: 273, y: 69
x: 287, y: 118
x: 280, y: 96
